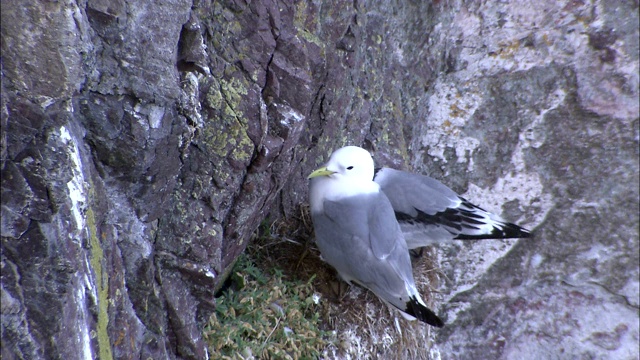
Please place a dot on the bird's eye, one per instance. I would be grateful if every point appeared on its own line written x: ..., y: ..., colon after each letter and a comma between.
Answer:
x: 350, y: 167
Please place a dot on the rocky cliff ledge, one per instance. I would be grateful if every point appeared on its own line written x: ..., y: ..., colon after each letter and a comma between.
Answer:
x: 143, y: 142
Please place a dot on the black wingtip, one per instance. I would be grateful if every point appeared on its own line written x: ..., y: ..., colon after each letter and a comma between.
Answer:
x: 515, y: 231
x: 423, y: 313
x: 508, y: 231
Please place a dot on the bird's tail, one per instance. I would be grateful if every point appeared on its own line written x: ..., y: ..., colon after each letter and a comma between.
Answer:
x: 416, y: 308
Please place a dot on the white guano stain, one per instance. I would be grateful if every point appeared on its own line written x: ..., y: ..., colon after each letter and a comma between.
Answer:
x: 83, y: 336
x: 289, y: 115
x: 84, y: 329
x: 77, y: 185
x: 449, y: 112
x: 156, y: 113
x: 525, y: 187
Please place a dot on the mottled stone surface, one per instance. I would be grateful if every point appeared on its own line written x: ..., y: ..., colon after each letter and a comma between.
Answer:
x: 540, y: 120
x: 143, y: 142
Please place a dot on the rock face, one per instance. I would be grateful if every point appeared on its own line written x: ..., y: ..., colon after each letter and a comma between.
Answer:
x: 540, y: 111
x: 143, y: 142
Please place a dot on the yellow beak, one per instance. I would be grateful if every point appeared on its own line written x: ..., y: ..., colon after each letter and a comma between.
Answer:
x: 323, y: 171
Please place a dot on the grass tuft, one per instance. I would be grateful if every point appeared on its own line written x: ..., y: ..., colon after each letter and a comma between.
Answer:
x: 263, y: 314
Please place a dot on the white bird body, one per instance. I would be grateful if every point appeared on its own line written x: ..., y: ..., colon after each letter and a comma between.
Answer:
x: 357, y: 233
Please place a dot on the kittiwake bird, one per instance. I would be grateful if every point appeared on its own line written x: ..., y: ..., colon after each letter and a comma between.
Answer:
x: 358, y: 234
x: 430, y: 212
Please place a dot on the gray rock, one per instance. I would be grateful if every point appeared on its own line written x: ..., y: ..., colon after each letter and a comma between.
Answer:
x: 542, y: 113
x: 142, y: 143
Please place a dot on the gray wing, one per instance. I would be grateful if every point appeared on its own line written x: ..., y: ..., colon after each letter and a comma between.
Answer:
x: 410, y: 193
x: 429, y: 211
x: 360, y: 237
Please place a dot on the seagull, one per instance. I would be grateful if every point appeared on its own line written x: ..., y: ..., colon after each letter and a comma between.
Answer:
x: 358, y: 234
x: 430, y: 212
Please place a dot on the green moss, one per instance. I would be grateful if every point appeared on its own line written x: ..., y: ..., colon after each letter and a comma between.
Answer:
x: 265, y: 315
x: 102, y: 284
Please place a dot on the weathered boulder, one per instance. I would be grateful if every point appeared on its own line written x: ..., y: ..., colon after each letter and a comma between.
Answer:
x: 143, y: 142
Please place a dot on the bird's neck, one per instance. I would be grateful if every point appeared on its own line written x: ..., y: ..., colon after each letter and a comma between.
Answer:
x: 326, y: 188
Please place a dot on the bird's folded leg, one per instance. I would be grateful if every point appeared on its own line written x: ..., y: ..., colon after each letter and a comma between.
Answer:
x: 339, y: 288
x: 305, y: 251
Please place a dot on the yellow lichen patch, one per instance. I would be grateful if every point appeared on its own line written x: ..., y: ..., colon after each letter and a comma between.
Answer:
x: 234, y: 91
x: 244, y: 149
x: 300, y: 16
x: 102, y: 284
x: 226, y: 133
x: 305, y: 24
x: 456, y: 111
x: 214, y: 97
x: 508, y: 50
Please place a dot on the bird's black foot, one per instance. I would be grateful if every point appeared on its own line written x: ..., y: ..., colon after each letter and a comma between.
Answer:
x: 416, y: 253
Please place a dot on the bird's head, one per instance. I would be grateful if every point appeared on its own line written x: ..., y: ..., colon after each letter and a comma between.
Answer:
x: 349, y: 163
